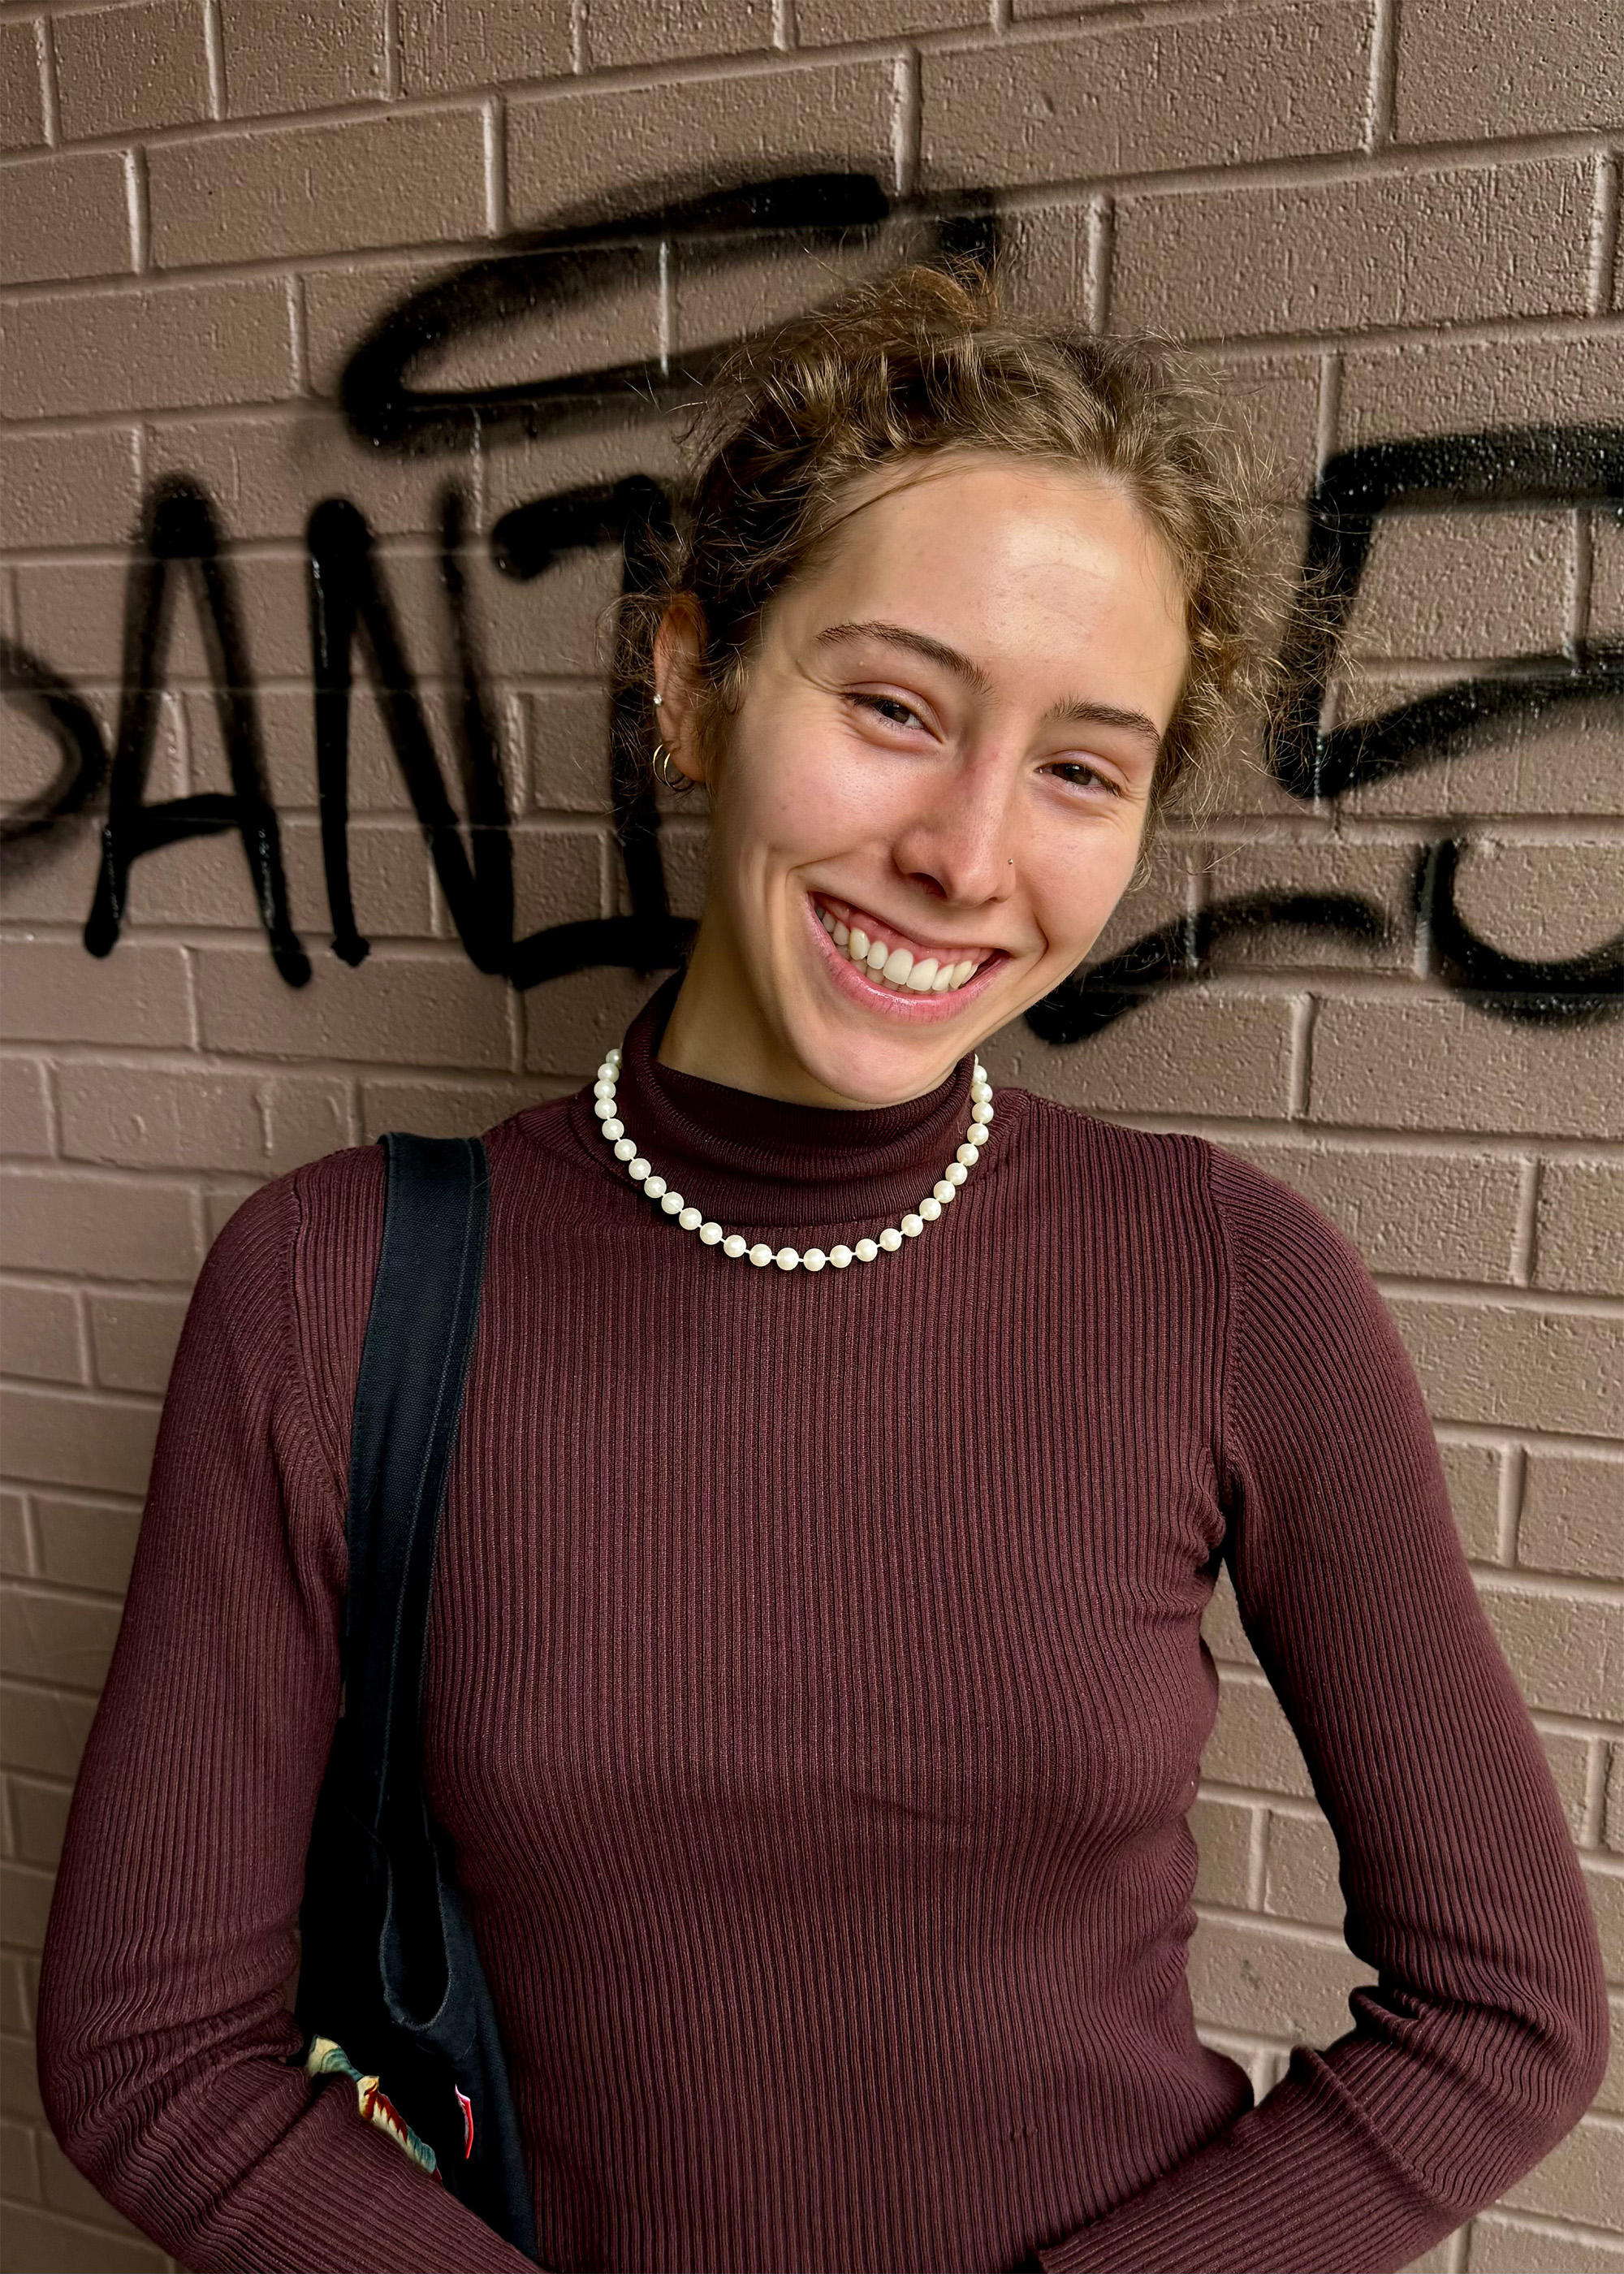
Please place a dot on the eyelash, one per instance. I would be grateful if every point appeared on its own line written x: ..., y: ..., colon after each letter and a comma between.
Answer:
x: 880, y: 703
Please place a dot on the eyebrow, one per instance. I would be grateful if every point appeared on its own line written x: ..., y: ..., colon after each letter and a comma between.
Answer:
x: 1076, y: 712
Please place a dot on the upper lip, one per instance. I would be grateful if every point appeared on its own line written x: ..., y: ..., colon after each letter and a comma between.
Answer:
x: 895, y: 936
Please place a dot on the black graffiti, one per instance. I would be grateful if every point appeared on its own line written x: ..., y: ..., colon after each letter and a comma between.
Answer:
x: 550, y: 276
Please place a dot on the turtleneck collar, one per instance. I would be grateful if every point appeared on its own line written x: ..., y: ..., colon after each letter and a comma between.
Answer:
x: 763, y: 1163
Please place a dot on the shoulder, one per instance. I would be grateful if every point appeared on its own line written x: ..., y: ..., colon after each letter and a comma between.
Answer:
x: 1135, y: 1167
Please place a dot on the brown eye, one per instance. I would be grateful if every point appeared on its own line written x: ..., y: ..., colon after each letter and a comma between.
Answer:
x: 891, y: 708
x: 1074, y: 770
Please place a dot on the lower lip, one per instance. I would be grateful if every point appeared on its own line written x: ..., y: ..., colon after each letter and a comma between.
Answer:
x: 896, y: 1002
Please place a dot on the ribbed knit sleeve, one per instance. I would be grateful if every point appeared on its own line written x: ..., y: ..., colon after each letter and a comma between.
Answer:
x: 1484, y: 2038
x: 163, y: 2034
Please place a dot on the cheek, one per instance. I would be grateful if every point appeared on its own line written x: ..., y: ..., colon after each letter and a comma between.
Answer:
x: 798, y: 792
x: 1072, y: 899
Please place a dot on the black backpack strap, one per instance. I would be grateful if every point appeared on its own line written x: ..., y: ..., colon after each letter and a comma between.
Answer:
x: 409, y: 1400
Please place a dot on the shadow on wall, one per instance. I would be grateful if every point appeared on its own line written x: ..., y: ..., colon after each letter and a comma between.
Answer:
x: 556, y: 274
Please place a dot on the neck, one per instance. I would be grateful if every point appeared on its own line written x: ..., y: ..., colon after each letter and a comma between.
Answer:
x: 720, y: 1031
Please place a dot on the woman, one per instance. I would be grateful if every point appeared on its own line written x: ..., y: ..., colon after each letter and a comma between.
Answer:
x: 816, y: 1691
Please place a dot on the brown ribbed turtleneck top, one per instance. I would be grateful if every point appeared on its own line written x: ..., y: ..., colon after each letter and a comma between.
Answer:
x: 815, y: 1695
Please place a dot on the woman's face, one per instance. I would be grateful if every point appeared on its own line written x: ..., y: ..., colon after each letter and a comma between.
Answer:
x: 934, y: 792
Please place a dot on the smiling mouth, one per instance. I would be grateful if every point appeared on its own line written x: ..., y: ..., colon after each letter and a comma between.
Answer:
x: 873, y: 945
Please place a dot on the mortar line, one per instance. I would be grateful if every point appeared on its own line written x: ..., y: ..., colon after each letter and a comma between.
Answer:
x: 1102, y: 246
x: 1328, y: 427
x: 1525, y: 1233
x: 1579, y: 582
x: 1257, y: 1860
x: 1382, y: 90
x: 50, y: 93
x: 1596, y: 1768
x: 215, y: 57
x: 1513, y: 1477
x: 495, y: 140
x: 906, y: 122
x: 391, y: 51
x: 785, y: 31
x: 140, y: 224
x: 1604, y: 232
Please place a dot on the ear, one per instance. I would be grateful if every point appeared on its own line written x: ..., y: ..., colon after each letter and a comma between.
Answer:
x: 678, y: 682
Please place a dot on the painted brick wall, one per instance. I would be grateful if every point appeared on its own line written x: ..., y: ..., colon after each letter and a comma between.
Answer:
x: 1386, y: 221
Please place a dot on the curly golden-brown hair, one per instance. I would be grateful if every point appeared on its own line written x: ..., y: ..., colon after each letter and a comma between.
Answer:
x: 924, y: 360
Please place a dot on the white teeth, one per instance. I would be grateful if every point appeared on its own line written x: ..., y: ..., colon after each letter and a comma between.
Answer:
x: 961, y: 972
x: 943, y: 980
x: 857, y: 944
x: 826, y: 920
x: 897, y: 964
x: 896, y: 967
x: 920, y: 978
x: 877, y: 954
x: 841, y: 933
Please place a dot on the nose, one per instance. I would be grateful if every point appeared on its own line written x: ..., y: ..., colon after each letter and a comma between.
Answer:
x: 959, y: 845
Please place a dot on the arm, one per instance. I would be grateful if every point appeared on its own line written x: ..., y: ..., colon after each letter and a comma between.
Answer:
x: 1485, y: 2038
x: 162, y: 2034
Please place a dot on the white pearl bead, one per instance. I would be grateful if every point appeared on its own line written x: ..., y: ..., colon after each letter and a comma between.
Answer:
x: 931, y: 1210
x: 978, y: 1072
x: 981, y: 1092
x: 840, y: 1256
x: 866, y: 1251
x: 671, y: 1202
x: 732, y: 1245
x: 976, y: 1134
x: 890, y: 1239
x: 942, y: 1191
x: 955, y: 1171
x: 912, y: 1224
x: 981, y: 1113
x: 690, y: 1218
x: 654, y: 1186
x: 605, y: 1072
x: 788, y: 1258
x: 640, y: 1169
x: 760, y: 1253
x: 603, y: 1087
x: 711, y: 1233
x: 604, y: 1108
x: 614, y: 1131
x: 814, y: 1259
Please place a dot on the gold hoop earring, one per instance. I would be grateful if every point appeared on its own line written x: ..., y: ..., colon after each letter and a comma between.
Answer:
x: 667, y: 772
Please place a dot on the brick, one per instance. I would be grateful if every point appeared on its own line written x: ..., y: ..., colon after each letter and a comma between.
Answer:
x: 40, y: 1333
x: 625, y: 32
x: 73, y: 612
x: 24, y: 1902
x: 41, y: 1813
x: 49, y: 2244
x: 640, y: 442
x: 1221, y: 1627
x: 66, y: 216
x: 685, y: 856
x: 335, y: 55
x: 397, y: 1008
x: 25, y: 1110
x: 1582, y: 2178
x: 87, y: 1545
x: 567, y: 750
x: 580, y: 153
x: 1431, y: 1064
x: 445, y: 45
x: 119, y: 69
x: 463, y: 1109
x: 1564, y: 1653
x: 19, y: 2163
x: 17, y: 2004
x: 16, y: 1551
x: 1460, y: 585
x: 96, y: 1444
x: 1440, y: 387
x: 342, y: 303
x: 1556, y: 762
x: 262, y: 195
x: 162, y: 347
x: 55, y: 991
x: 1252, y: 1977
x: 133, y: 1337
x: 108, y: 1227
x: 1581, y: 1227
x: 1318, y: 863
x: 22, y: 103
x: 557, y: 876
x: 194, y: 1117
x: 19, y: 2095
x: 1222, y: 1834
x: 1452, y: 245
x: 1531, y: 1369
x: 1610, y: 2094
x: 60, y: 1639
x: 1568, y: 1759
x: 1301, y: 1880
x: 722, y: 292
x: 1570, y: 1522
x: 1472, y: 69
x: 1614, y: 1802
x: 1472, y: 1473
x: 77, y: 488
x: 264, y: 472
x: 569, y: 1023
x: 42, y: 1729
x: 1253, y: 1744
x: 1544, y: 902
x: 1604, y: 1886
x: 1508, y: 2246
x: 821, y: 23
x: 1187, y: 1050
x: 1434, y: 1214
x: 205, y: 881
x: 1607, y: 576
x: 1278, y: 82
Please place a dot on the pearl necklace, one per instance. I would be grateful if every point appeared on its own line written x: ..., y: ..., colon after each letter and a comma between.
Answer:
x: 862, y: 1251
